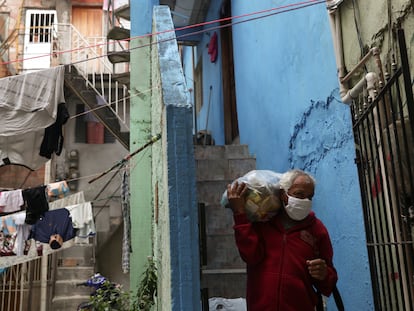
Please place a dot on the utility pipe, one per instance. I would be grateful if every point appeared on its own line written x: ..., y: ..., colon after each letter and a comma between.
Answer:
x: 336, y: 31
x: 372, y: 52
x: 369, y: 81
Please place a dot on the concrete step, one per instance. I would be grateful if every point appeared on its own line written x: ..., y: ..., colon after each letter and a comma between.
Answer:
x: 71, y: 288
x: 75, y: 262
x: 68, y: 303
x: 223, y: 163
x: 216, y: 167
x: 221, y: 152
x: 219, y: 220
x: 222, y: 253
x: 78, y: 273
x: 229, y: 285
x: 80, y: 255
x: 79, y: 250
x: 211, y: 191
x: 223, y: 169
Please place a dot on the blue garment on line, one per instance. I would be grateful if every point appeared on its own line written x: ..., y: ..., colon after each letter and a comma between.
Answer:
x: 53, y: 222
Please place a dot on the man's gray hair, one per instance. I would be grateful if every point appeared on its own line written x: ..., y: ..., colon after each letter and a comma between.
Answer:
x: 289, y: 177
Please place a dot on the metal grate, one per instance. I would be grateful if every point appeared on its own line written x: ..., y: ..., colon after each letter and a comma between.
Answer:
x: 20, y: 285
x: 40, y: 30
x: 383, y: 127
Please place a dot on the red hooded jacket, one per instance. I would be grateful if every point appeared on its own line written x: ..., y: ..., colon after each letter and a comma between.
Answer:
x: 277, y: 274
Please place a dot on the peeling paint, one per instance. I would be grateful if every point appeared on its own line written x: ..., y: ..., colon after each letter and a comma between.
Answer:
x: 321, y: 130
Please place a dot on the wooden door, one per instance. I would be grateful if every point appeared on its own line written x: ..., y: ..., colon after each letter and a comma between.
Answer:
x: 231, y: 125
x: 88, y: 21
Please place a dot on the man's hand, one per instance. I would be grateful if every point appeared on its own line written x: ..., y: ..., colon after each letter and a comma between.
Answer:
x: 235, y: 195
x: 318, y: 268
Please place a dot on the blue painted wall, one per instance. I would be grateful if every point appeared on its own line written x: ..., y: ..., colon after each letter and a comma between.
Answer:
x: 290, y: 115
x: 211, y: 115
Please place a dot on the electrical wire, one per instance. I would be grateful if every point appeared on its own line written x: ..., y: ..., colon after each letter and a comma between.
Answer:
x: 282, y: 9
x: 112, y: 103
x: 288, y: 8
x: 206, y: 30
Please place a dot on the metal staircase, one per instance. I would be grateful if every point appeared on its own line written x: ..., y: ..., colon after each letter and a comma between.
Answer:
x: 90, y: 77
x: 106, y: 113
x: 118, y: 36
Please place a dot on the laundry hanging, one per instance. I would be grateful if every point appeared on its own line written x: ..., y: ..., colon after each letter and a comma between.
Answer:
x: 71, y: 199
x: 11, y: 201
x: 213, y: 48
x: 28, y: 105
x: 56, y: 222
x: 82, y: 219
x: 19, y: 243
x: 126, y: 215
x: 37, y: 204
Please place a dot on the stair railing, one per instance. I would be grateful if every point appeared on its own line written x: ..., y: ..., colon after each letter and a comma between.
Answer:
x: 5, y: 50
x: 89, y: 58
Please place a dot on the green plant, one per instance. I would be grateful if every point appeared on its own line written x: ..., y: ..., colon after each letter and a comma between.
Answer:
x: 110, y: 297
x: 147, y: 290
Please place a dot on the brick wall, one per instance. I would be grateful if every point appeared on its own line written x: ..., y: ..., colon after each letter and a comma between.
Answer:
x: 20, y: 177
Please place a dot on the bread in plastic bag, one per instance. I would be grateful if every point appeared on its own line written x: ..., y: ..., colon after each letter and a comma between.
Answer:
x: 262, y: 197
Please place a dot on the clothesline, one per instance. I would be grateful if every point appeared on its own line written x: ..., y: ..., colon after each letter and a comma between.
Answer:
x: 66, y: 220
x: 120, y: 163
x: 114, y: 102
x: 207, y: 30
x: 5, y: 189
x: 281, y: 9
x: 119, y: 166
x: 125, y: 167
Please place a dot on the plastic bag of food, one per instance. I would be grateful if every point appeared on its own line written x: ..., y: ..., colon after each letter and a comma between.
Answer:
x: 262, y: 197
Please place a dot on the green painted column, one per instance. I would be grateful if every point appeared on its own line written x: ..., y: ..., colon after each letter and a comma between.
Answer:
x: 140, y: 133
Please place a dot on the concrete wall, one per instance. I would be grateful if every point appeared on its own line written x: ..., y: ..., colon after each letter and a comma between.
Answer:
x: 373, y: 31
x: 104, y: 192
x: 290, y: 114
x: 140, y: 125
x: 175, y: 205
x: 365, y: 25
x: 163, y: 204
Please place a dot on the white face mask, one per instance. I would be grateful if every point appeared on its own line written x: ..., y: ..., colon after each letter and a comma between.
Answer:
x: 298, y: 209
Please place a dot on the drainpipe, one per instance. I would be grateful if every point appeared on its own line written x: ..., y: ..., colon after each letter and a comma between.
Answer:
x: 369, y: 81
x: 336, y: 31
x: 375, y: 52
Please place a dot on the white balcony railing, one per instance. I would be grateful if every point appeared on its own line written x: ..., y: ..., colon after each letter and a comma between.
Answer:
x: 88, y: 55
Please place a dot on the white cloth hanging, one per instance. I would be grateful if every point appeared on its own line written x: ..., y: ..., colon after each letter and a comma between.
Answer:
x: 82, y: 219
x: 72, y: 199
x: 28, y: 102
x: 28, y: 105
x: 11, y: 201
